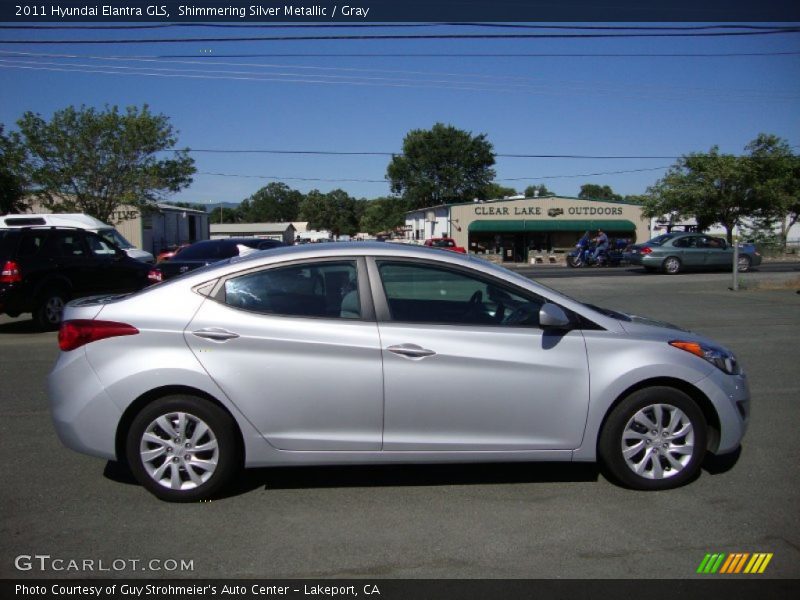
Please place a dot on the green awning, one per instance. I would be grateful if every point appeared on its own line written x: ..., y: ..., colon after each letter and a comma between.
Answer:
x: 521, y: 225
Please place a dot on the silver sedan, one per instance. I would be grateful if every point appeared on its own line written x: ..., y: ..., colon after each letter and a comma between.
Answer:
x: 382, y: 353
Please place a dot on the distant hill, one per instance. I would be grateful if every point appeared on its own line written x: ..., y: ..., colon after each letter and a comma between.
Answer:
x: 213, y: 207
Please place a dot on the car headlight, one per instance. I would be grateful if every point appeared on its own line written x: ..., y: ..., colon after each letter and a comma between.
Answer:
x: 719, y: 357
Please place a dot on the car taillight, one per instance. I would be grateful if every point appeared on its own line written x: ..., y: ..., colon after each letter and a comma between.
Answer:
x: 646, y: 250
x: 79, y: 332
x: 10, y: 273
x: 155, y: 276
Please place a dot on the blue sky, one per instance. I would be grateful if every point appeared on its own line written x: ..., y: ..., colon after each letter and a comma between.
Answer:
x: 590, y: 104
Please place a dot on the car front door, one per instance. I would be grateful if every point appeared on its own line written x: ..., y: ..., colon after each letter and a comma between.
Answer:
x: 296, y: 348
x: 718, y: 254
x: 466, y: 366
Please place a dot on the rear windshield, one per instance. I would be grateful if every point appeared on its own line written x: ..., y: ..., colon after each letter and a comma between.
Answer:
x: 658, y: 240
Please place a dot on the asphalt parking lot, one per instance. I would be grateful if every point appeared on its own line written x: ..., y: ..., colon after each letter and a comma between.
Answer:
x: 468, y: 521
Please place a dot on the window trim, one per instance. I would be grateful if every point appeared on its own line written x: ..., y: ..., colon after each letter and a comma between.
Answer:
x: 217, y: 294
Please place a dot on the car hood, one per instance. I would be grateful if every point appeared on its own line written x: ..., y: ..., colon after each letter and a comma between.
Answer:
x: 638, y: 323
x: 652, y: 329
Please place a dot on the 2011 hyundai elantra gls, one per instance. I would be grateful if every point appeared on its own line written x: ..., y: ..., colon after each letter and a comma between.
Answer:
x: 382, y: 353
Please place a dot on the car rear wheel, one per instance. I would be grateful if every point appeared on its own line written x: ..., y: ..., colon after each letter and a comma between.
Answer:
x: 182, y: 448
x: 655, y: 439
x: 50, y: 309
x: 744, y: 264
x: 672, y: 265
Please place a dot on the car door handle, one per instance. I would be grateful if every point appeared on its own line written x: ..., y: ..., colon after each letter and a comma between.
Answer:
x: 215, y: 333
x: 411, y: 351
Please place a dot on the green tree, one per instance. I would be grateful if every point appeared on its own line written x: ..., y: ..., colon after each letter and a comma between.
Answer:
x: 541, y: 189
x: 441, y: 165
x: 635, y: 198
x: 383, y: 214
x: 494, y: 191
x: 12, y: 180
x: 224, y: 214
x: 711, y: 188
x: 592, y: 191
x: 775, y: 172
x: 273, y: 203
x: 335, y: 211
x: 93, y: 161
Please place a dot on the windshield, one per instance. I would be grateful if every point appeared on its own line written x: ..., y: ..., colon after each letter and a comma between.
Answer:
x: 115, y: 237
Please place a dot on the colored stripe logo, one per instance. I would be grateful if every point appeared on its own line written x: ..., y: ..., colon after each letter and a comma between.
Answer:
x: 734, y: 563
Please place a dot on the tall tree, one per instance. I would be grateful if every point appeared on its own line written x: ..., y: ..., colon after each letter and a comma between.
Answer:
x: 441, y: 165
x: 537, y: 190
x: 592, y: 191
x: 335, y: 211
x: 775, y: 172
x: 383, y: 214
x: 12, y: 180
x: 494, y: 191
x: 711, y: 188
x: 273, y: 203
x: 93, y: 161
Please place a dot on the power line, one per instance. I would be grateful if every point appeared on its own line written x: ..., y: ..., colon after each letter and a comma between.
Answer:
x: 499, y: 155
x: 476, y: 82
x: 450, y: 36
x: 322, y: 179
x: 396, y: 26
x: 484, y: 55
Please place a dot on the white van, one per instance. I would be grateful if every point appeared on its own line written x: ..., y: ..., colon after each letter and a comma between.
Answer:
x: 79, y: 221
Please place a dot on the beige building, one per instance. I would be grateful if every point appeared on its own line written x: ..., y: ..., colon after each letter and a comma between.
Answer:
x: 516, y: 228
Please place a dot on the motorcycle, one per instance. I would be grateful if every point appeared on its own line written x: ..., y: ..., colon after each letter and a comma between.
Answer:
x: 583, y: 256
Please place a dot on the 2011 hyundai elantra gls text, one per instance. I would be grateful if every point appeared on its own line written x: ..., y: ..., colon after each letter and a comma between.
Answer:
x: 382, y: 353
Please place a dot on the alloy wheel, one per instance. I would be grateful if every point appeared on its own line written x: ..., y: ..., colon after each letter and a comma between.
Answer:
x: 179, y: 451
x: 658, y: 441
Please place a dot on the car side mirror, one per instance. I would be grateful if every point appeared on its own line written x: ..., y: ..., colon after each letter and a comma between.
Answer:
x: 552, y: 316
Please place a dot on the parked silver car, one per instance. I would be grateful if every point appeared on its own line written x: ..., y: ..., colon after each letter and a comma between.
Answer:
x: 367, y: 353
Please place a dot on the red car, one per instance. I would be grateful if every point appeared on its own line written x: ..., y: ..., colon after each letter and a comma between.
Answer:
x: 169, y: 252
x: 445, y: 244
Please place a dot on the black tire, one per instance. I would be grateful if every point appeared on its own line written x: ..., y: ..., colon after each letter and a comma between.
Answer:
x: 671, y: 265
x: 654, y: 454
x: 49, y: 308
x: 182, y: 487
x: 574, y: 261
x: 744, y: 263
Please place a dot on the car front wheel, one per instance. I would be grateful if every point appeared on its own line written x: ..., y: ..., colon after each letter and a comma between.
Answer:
x: 743, y: 264
x: 182, y: 448
x: 655, y: 439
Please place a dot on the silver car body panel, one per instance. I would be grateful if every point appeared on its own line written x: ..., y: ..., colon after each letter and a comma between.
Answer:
x: 328, y: 391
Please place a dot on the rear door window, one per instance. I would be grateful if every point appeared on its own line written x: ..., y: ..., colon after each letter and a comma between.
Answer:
x: 321, y: 289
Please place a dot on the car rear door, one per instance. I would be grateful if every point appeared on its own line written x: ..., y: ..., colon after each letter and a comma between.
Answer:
x: 463, y: 371
x: 296, y: 348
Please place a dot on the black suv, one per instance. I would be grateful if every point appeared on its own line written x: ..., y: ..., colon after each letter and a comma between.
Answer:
x: 41, y: 268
